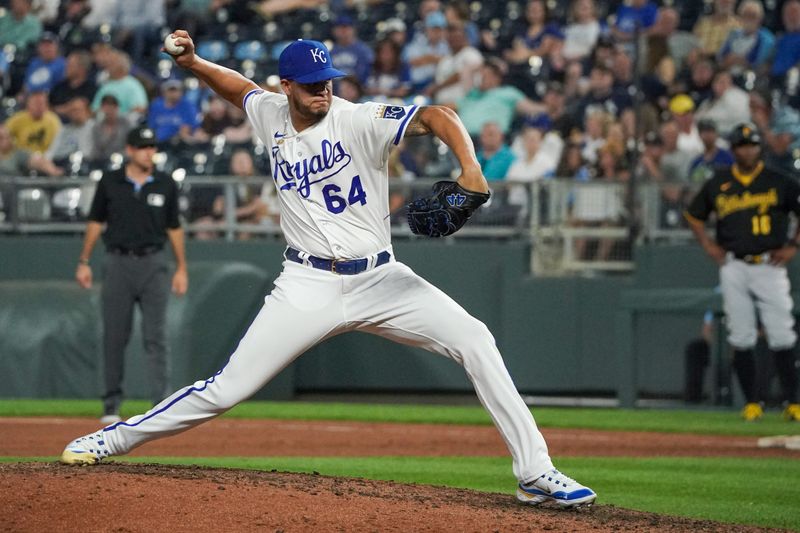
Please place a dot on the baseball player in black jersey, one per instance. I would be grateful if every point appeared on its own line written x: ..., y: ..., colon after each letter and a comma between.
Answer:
x: 752, y: 203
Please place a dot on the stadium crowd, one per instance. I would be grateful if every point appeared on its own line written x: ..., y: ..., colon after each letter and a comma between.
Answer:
x: 595, y: 91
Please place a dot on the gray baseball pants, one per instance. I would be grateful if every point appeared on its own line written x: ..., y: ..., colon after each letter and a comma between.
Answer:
x: 127, y: 281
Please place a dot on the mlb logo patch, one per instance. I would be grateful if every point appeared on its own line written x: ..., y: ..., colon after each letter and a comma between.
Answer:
x: 395, y: 112
x: 156, y: 200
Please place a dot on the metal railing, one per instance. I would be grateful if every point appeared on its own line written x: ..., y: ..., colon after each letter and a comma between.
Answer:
x: 573, y: 226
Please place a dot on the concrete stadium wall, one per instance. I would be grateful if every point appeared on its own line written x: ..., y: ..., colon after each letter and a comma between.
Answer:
x: 556, y: 335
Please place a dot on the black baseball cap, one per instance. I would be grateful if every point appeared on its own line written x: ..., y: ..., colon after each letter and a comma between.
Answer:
x: 141, y: 137
x: 745, y: 134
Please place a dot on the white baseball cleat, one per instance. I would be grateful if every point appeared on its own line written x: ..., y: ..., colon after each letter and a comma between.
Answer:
x: 86, y: 450
x: 555, y: 486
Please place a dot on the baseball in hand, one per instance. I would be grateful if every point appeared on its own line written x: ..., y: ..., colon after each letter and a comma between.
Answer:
x: 171, y: 47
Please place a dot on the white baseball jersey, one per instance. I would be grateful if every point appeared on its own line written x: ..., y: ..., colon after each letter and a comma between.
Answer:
x: 332, y: 184
x: 332, y: 178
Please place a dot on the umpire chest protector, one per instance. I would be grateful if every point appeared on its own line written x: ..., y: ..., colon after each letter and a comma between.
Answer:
x: 752, y: 211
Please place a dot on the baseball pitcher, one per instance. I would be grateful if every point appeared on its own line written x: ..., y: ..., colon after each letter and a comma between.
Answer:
x: 340, y: 274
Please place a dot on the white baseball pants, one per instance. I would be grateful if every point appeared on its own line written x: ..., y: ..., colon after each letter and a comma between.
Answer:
x: 308, y: 306
x: 763, y: 287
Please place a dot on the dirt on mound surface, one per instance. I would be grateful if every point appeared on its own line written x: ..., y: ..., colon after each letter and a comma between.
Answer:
x: 154, y: 498
x: 47, y: 436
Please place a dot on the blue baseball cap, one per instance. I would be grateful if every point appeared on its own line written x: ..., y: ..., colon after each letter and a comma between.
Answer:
x: 306, y: 61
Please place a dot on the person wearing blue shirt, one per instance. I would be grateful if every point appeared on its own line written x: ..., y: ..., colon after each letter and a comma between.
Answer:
x: 639, y: 14
x: 494, y: 156
x: 751, y: 45
x: 171, y: 115
x: 704, y: 165
x: 350, y: 54
x: 47, y: 68
x: 787, y: 51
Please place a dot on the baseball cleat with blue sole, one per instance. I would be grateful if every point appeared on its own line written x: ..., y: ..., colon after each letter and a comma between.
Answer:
x: 555, y: 486
x: 87, y: 450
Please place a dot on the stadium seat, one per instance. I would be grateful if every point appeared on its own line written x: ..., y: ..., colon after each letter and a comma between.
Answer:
x: 215, y: 51
x: 33, y: 205
x: 252, y: 50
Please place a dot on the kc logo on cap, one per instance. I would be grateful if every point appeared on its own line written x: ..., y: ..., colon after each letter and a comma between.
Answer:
x: 319, y: 55
x: 306, y: 61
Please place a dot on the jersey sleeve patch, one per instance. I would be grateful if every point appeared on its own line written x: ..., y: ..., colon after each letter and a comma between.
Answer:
x: 391, y: 112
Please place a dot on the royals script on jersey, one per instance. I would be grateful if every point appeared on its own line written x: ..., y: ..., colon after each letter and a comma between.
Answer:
x: 332, y: 178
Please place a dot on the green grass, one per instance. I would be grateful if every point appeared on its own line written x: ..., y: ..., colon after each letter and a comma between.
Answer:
x: 669, y: 421
x: 721, y: 489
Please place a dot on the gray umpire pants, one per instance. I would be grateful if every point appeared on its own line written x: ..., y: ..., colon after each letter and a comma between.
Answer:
x: 129, y: 280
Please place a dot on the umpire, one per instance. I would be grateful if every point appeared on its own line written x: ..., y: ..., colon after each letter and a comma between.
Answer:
x: 139, y: 208
x: 752, y: 204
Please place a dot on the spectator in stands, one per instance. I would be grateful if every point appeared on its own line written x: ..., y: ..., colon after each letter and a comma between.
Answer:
x: 603, y: 95
x: 215, y: 120
x: 395, y: 31
x: 16, y: 161
x: 698, y: 85
x: 491, y: 101
x: 69, y: 25
x: 666, y: 39
x: 457, y: 14
x: 35, y: 127
x: 729, y: 106
x: 750, y: 46
x: 76, y: 82
x: 46, y: 69
x: 582, y: 32
x: 554, y: 116
x: 787, y: 50
x: 572, y: 164
x: 76, y: 135
x: 703, y: 167
x: 541, y: 38
x: 675, y: 162
x: 350, y: 89
x: 713, y: 29
x: 128, y: 91
x: 455, y: 73
x: 681, y: 107
x: 110, y: 131
x: 349, y: 53
x: 594, y: 136
x: 780, y: 128
x: 534, y: 163
x: 171, y: 116
x: 241, y: 130
x: 251, y: 208
x: 137, y: 27
x: 425, y: 51
x: 634, y: 17
x: 390, y: 77
x: 19, y: 26
x: 649, y: 166
x: 494, y: 155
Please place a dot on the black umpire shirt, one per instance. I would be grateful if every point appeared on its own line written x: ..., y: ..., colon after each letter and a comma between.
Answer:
x: 135, y: 219
x: 752, y: 210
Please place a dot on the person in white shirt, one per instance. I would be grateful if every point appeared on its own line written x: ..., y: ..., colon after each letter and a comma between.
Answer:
x: 455, y: 73
x: 582, y: 32
x: 330, y: 167
x: 729, y: 106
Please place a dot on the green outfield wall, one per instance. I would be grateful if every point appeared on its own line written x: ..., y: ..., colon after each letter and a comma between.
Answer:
x: 557, y: 335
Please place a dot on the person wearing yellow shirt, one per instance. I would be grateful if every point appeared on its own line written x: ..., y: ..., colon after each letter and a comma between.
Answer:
x: 35, y: 127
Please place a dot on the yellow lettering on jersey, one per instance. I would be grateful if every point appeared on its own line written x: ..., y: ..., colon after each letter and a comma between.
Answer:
x: 731, y: 203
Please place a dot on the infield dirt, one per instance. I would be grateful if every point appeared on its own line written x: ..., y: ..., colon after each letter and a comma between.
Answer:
x: 154, y: 498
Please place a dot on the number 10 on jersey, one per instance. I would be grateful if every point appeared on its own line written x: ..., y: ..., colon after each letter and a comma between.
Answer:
x: 336, y: 204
